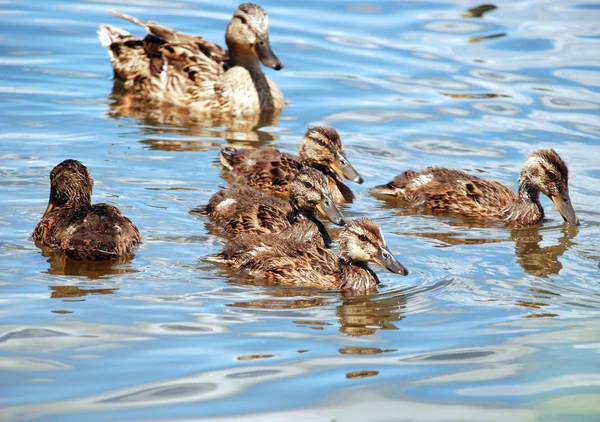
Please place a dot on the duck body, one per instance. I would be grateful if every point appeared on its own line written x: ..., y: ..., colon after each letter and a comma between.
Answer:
x: 290, y: 260
x: 271, y: 170
x: 83, y: 231
x: 454, y: 192
x: 186, y: 70
x: 249, y: 210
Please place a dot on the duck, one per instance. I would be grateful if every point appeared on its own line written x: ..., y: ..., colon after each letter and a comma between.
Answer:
x: 289, y: 261
x: 271, y: 170
x: 248, y: 210
x: 82, y: 230
x: 190, y: 71
x: 445, y: 191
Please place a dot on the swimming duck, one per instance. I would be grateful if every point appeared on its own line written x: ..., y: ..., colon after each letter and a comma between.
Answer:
x: 248, y: 210
x: 289, y: 261
x: 442, y: 190
x: 270, y: 170
x: 85, y: 232
x: 191, y: 71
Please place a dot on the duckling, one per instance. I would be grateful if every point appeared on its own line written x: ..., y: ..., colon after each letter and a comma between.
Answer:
x: 291, y: 261
x: 187, y: 70
x: 442, y: 190
x: 248, y: 210
x: 271, y: 170
x: 85, y: 232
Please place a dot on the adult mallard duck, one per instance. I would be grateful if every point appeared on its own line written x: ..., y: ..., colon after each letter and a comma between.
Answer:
x: 190, y: 71
x: 442, y: 190
x: 248, y: 210
x: 291, y: 261
x: 72, y: 224
x: 270, y: 170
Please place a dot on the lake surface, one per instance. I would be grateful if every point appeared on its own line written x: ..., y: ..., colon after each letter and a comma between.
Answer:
x: 491, y: 323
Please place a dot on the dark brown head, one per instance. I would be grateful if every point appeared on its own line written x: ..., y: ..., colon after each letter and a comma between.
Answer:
x: 248, y: 36
x: 544, y: 171
x: 309, y: 192
x: 361, y: 241
x: 322, y: 148
x: 70, y: 184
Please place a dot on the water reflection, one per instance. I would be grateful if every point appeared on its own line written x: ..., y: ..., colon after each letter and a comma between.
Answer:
x: 61, y: 265
x: 479, y: 11
x: 357, y: 315
x: 160, y: 118
x: 534, y: 259
x: 61, y: 292
x: 538, y: 260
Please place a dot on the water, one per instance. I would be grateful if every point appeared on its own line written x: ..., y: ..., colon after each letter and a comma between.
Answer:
x: 490, y: 319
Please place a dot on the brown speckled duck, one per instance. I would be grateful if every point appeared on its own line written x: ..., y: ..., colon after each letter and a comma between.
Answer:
x: 191, y: 71
x: 248, y: 210
x: 72, y: 224
x: 454, y: 192
x: 270, y: 170
x: 290, y: 261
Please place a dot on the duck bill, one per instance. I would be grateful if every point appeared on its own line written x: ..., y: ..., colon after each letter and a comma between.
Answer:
x: 385, y: 258
x: 267, y: 56
x: 565, y: 208
x: 49, y: 209
x: 342, y: 166
x: 327, y: 208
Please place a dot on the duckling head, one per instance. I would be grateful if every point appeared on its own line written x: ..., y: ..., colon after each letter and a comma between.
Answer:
x: 361, y: 241
x: 70, y: 184
x: 309, y: 192
x: 544, y: 171
x: 247, y: 37
x: 322, y: 148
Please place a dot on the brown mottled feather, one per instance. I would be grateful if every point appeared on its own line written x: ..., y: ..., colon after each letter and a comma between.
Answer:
x: 454, y: 192
x: 271, y: 170
x: 84, y: 231
x: 249, y: 210
x: 289, y: 260
x: 186, y: 70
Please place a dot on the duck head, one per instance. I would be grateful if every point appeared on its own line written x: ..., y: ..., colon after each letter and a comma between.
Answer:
x: 361, y: 241
x: 70, y: 184
x: 544, y: 171
x: 309, y: 192
x: 322, y: 148
x: 247, y: 37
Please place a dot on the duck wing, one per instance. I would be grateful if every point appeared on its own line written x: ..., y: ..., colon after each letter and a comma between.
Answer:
x: 166, y: 64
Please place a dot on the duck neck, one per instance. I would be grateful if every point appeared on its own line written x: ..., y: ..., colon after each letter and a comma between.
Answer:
x: 526, y: 208
x: 251, y: 63
x: 357, y: 277
x: 311, y: 215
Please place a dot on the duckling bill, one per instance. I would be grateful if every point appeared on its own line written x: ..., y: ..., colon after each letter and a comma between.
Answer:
x: 83, y: 231
x: 454, y: 192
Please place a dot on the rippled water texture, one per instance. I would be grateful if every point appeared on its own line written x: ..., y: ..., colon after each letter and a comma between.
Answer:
x: 491, y: 323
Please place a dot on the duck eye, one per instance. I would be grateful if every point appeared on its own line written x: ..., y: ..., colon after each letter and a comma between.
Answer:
x: 363, y: 237
x: 308, y: 185
x: 552, y: 176
x: 243, y: 20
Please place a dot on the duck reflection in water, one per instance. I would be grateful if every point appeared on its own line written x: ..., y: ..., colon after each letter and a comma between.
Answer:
x: 163, y: 119
x: 93, y: 270
x: 357, y: 315
x: 65, y: 292
x: 534, y: 259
